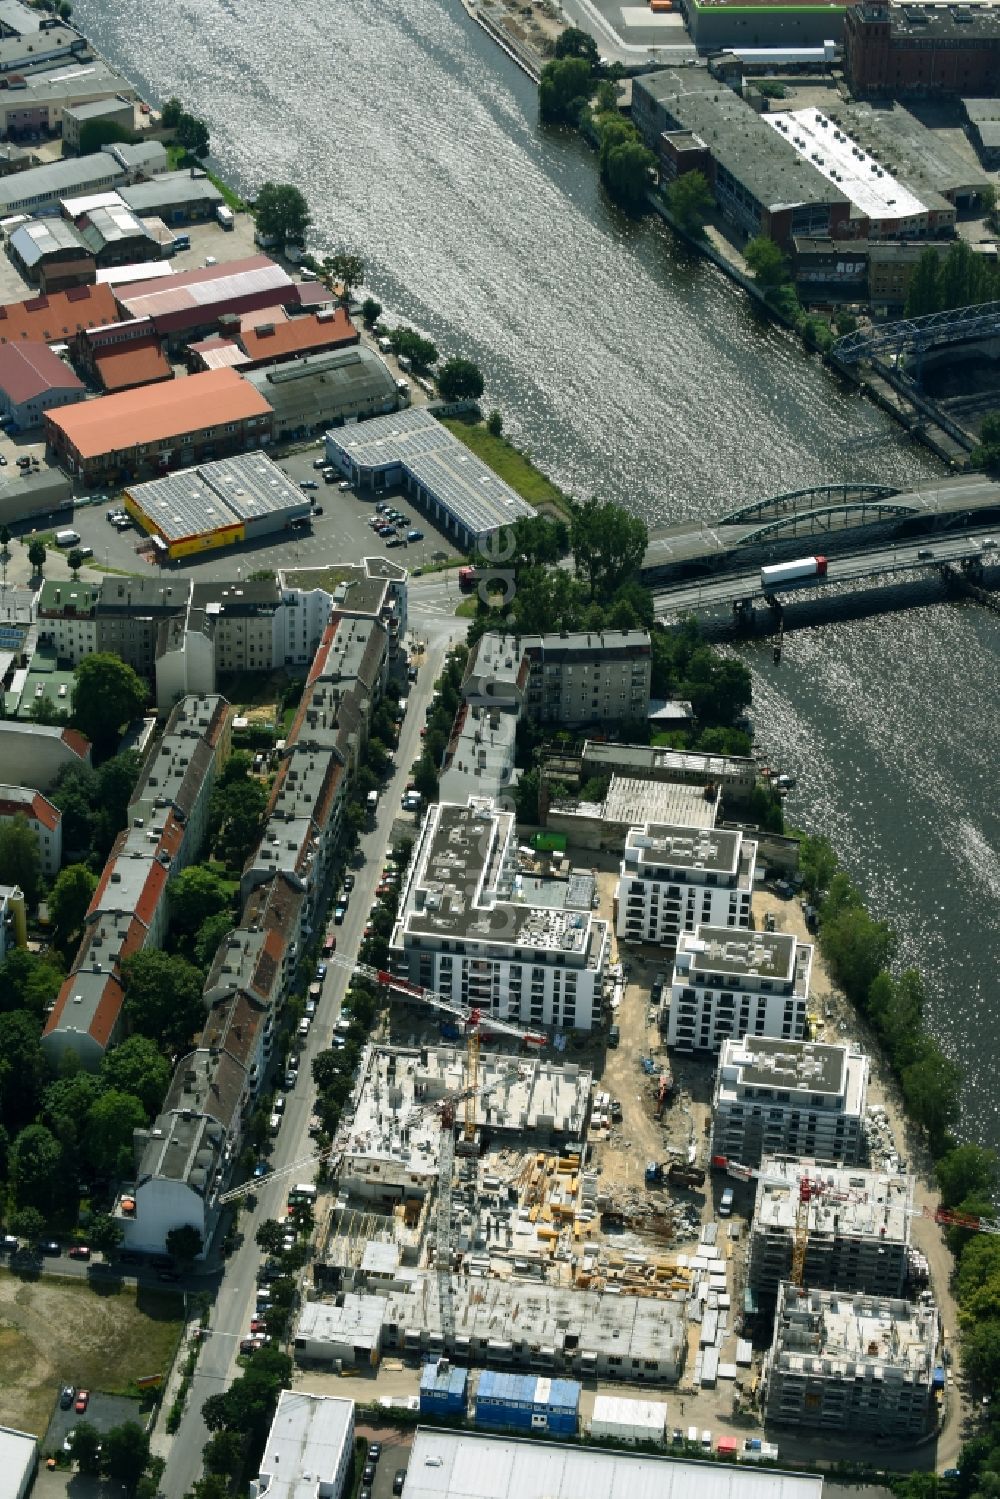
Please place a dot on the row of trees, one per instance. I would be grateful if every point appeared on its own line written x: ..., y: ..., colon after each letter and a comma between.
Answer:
x: 189, y: 131
x: 121, y: 1455
x: 961, y: 278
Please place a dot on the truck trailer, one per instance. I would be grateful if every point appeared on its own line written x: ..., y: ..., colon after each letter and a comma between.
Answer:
x: 784, y: 574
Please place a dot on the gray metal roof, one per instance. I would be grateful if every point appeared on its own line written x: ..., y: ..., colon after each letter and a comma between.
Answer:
x: 170, y: 189
x: 52, y: 236
x: 59, y: 179
x: 111, y: 226
x: 315, y: 389
x: 413, y: 440
x: 95, y: 109
x: 242, y: 488
x: 740, y: 141
x: 76, y: 80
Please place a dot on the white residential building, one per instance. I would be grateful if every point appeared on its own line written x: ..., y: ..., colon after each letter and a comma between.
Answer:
x: 470, y: 926
x: 309, y: 1452
x: 797, y: 1098
x: 44, y: 820
x: 673, y: 879
x: 730, y: 983
x: 13, y: 919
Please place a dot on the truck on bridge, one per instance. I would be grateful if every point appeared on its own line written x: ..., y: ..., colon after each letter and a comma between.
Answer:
x: 784, y: 574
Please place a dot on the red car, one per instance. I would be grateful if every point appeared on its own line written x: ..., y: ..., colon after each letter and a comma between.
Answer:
x: 79, y: 1252
x: 257, y: 1324
x: 82, y: 1401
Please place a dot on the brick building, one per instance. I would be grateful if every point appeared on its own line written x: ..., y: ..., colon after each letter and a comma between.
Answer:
x: 922, y: 49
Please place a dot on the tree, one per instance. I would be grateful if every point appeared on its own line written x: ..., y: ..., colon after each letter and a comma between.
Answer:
x: 348, y: 269
x: 371, y: 311
x: 20, y: 858
x: 420, y: 351
x: 105, y: 1233
x: 565, y: 87
x: 460, y: 380
x: 766, y: 263
x: 212, y: 932
x: 107, y: 694
x: 68, y: 901
x: 193, y: 135
x: 29, y: 981
x: 224, y: 1453
x: 494, y: 424
x: 85, y: 1447
x: 137, y: 1068
x: 36, y: 555
x: 608, y: 545
x: 111, y: 1122
x: 36, y: 1160
x: 924, y: 295
x: 163, y: 997
x: 237, y: 810
x: 576, y: 43
x: 282, y: 213
x: 76, y: 557
x: 856, y: 948
x: 196, y: 894
x: 965, y: 1172
x: 626, y: 164
x: 22, y: 1068
x: 817, y: 863
x: 126, y: 1454
x: 932, y: 1091
x: 987, y: 453
x: 689, y: 199
x: 27, y: 1223
x: 270, y: 1234
x: 171, y: 113
x: 185, y: 1243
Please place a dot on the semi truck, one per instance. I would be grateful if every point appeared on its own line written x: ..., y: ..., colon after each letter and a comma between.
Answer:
x: 784, y: 574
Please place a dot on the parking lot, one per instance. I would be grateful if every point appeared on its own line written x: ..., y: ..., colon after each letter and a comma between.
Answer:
x: 103, y: 1411
x: 340, y: 535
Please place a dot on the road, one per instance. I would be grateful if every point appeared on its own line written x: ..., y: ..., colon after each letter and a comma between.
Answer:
x: 235, y: 1298
x: 880, y: 561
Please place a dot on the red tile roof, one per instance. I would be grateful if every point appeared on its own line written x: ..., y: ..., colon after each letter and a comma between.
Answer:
x: 139, y: 362
x: 158, y: 413
x: 29, y: 370
x: 32, y: 805
x: 77, y: 742
x: 307, y: 334
x: 59, y: 316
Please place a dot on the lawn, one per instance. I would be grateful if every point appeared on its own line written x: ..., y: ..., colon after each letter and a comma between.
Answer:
x: 55, y: 1332
x: 318, y: 577
x: 504, y: 459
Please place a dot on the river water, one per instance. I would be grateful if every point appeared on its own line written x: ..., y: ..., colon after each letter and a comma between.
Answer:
x: 630, y: 370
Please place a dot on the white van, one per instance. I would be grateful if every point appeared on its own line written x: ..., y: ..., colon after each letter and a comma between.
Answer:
x: 372, y: 801
x: 67, y: 538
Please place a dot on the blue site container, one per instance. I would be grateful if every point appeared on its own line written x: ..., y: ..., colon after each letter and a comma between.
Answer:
x: 442, y: 1389
x: 528, y: 1402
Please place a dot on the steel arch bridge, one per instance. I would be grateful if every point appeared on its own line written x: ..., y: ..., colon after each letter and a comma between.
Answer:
x: 830, y: 497
x: 917, y: 335
x: 824, y: 518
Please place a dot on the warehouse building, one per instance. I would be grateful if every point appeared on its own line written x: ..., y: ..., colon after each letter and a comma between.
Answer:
x: 124, y: 355
x: 528, y: 1402
x: 784, y: 24
x: 307, y: 395
x: 57, y: 319
x: 34, y: 380
x: 619, y: 1419
x: 983, y: 124
x: 920, y: 49
x: 857, y: 1222
x: 309, y: 1451
x: 191, y: 302
x: 475, y: 1466
x: 729, y: 983
x: 463, y: 497
x: 173, y: 424
x: 175, y: 197
x: 794, y: 1098
x: 857, y: 1364
x: 50, y: 253
x: 894, y: 138
x: 472, y: 928
x: 42, y: 188
x: 115, y: 236
x: 235, y: 500
x: 18, y: 1461
x: 111, y: 111
x: 673, y: 879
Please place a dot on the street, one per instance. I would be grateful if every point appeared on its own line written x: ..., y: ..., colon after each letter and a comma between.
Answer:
x: 234, y: 1299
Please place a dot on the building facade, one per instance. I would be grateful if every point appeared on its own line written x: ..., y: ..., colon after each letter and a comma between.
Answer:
x: 310, y: 1435
x: 733, y: 984
x: 794, y: 1098
x: 673, y: 879
x: 44, y: 820
x: 921, y: 50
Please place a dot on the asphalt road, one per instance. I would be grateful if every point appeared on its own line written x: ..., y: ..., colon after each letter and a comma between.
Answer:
x: 235, y: 1297
x: 877, y: 561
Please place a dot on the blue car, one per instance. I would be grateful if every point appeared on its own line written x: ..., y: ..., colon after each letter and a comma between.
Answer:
x: 261, y: 1169
x: 414, y: 535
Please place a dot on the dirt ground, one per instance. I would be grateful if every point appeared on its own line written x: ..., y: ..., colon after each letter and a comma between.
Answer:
x: 55, y: 1332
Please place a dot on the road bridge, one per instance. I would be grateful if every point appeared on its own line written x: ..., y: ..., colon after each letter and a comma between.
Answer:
x: 765, y: 529
x: 861, y: 568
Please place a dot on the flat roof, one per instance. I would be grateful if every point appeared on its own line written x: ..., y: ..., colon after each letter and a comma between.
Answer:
x: 631, y: 800
x: 928, y: 161
x: 766, y: 1062
x: 305, y: 1446
x: 158, y: 413
x: 710, y: 849
x: 97, y: 109
x: 861, y: 1203
x: 230, y: 492
x: 170, y: 188
x: 956, y: 23
x: 17, y: 1458
x: 873, y: 190
x: 472, y: 1465
x: 413, y: 440
x: 723, y: 950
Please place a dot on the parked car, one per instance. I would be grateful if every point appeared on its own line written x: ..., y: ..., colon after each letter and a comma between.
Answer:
x: 50, y: 1247
x: 394, y: 541
x: 303, y: 1030
x: 291, y: 1077
x: 330, y: 477
x: 320, y: 972
x: 317, y: 510
x: 68, y: 1440
x: 374, y: 1451
x: 339, y: 913
x: 66, y: 1396
x: 368, y: 1475
x: 308, y: 484
x: 399, y: 1480
x: 344, y: 484
x: 79, y: 1252
x: 414, y: 535
x: 279, y: 1103
x: 320, y: 463
x: 348, y: 883
x: 81, y: 1402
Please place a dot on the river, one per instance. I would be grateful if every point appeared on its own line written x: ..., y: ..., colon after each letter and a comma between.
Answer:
x: 630, y: 370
